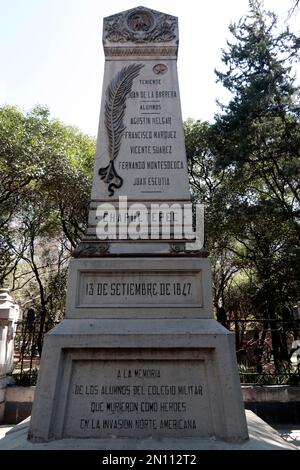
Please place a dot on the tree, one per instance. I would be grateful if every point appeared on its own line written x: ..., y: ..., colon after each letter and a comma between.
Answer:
x: 45, y: 173
x: 210, y: 185
x: 294, y: 7
x: 258, y: 134
x: 256, y: 139
x: 245, y: 167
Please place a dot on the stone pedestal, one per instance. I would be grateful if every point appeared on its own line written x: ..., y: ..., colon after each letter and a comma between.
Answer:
x: 172, y: 378
x: 139, y: 354
x: 9, y: 315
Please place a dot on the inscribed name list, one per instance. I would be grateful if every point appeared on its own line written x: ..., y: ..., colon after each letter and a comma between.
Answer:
x: 151, y: 160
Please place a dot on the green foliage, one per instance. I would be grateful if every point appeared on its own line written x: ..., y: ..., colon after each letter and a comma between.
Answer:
x: 245, y: 168
x: 28, y: 377
x: 45, y: 178
x: 282, y: 377
x: 257, y: 135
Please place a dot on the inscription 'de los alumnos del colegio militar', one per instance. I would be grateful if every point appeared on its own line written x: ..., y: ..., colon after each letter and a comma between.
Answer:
x: 137, y: 398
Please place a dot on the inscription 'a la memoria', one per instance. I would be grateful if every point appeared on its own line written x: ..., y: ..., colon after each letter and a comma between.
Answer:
x: 134, y: 398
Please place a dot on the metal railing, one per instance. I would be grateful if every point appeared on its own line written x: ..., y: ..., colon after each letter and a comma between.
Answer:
x: 259, y: 360
x: 265, y: 350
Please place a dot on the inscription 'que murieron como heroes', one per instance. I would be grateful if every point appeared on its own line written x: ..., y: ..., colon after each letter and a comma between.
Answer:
x: 135, y: 399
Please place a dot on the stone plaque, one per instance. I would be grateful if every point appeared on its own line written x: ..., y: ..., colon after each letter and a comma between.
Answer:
x: 131, y: 398
x: 139, y: 288
x: 150, y: 162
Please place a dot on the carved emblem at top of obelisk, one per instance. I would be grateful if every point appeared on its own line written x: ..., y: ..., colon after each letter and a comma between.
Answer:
x: 140, y: 25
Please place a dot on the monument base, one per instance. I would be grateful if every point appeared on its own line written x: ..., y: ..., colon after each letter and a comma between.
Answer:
x: 151, y: 378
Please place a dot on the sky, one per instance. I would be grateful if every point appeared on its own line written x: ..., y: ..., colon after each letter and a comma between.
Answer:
x: 51, y: 53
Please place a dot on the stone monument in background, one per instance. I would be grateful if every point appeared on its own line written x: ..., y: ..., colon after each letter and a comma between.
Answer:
x: 139, y: 354
x: 9, y: 316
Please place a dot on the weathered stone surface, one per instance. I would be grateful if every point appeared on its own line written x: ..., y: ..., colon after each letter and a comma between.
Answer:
x: 9, y: 315
x: 139, y: 354
x: 83, y: 359
x: 151, y: 162
x: 139, y: 29
x: 135, y: 399
x: 139, y: 288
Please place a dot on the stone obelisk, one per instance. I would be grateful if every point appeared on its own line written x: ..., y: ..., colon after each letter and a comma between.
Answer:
x: 139, y: 354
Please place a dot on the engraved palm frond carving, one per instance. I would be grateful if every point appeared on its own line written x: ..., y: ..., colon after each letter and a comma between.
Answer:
x: 115, y: 106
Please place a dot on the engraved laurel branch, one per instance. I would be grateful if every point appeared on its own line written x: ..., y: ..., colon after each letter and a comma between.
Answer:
x: 115, y: 106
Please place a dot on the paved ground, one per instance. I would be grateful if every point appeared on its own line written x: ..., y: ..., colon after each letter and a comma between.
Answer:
x: 3, y: 429
x: 262, y: 437
x: 290, y: 433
